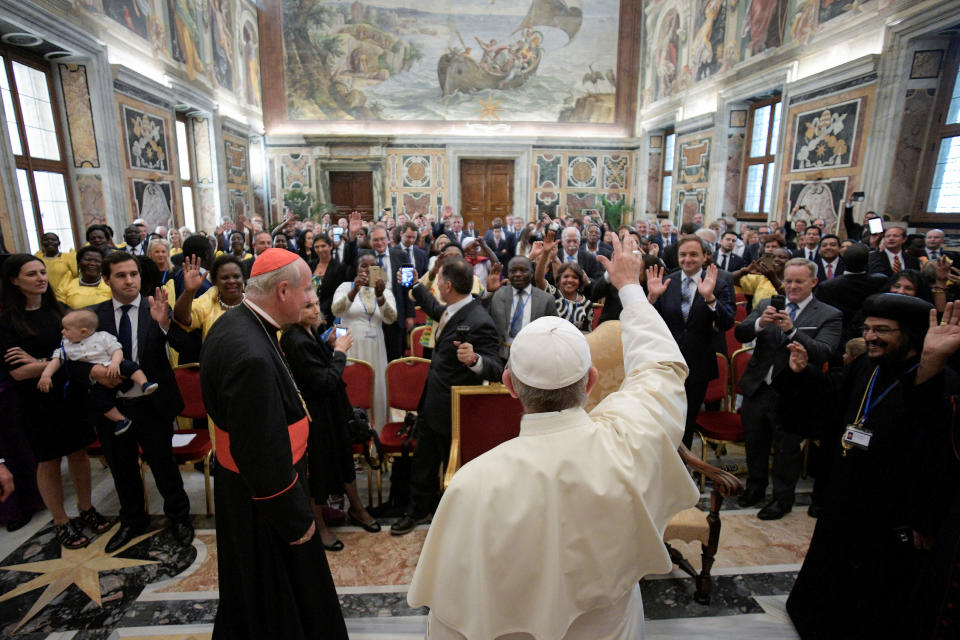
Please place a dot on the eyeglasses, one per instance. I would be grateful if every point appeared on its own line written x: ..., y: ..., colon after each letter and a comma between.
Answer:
x: 880, y: 332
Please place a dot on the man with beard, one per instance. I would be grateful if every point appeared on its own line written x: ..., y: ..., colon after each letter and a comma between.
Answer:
x: 883, y: 416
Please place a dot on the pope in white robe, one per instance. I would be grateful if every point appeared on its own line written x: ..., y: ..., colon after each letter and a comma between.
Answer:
x: 546, y: 536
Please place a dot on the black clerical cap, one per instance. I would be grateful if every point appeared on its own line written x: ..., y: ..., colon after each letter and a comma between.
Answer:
x: 907, y: 310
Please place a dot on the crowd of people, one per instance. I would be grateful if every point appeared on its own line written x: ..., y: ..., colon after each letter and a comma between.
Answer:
x: 851, y: 340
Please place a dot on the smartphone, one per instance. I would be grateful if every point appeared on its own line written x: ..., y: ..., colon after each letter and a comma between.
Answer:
x: 342, y: 331
x: 463, y: 333
x: 375, y: 273
x: 875, y: 225
x: 857, y: 196
x: 337, y: 232
x: 406, y: 276
x: 778, y: 302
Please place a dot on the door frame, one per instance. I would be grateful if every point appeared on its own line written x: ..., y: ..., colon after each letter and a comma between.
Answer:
x: 325, y: 166
x: 521, y: 156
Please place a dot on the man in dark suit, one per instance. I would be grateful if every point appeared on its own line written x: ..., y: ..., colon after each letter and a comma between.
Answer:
x: 390, y: 259
x: 514, y: 307
x: 669, y: 253
x: 453, y: 363
x: 726, y: 259
x: 261, y: 242
x: 890, y: 258
x: 752, y: 251
x: 594, y: 244
x: 848, y: 290
x: 666, y: 236
x: 817, y: 327
x: 697, y: 306
x: 500, y: 241
x: 456, y: 232
x: 829, y: 263
x: 810, y: 246
x: 141, y: 325
x: 573, y: 252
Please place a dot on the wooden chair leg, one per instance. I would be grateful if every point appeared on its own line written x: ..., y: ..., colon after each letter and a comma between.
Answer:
x: 206, y: 481
x: 709, y: 551
x: 677, y: 558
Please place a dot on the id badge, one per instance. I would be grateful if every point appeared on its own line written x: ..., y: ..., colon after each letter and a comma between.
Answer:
x: 370, y: 334
x: 855, y: 437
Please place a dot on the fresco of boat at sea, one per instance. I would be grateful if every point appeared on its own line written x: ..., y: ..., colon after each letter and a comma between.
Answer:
x: 510, y: 65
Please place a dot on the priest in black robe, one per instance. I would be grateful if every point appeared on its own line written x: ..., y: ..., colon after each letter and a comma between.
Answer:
x: 273, y: 574
x: 884, y: 417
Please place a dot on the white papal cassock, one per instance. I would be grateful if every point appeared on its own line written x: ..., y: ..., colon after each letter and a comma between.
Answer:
x: 546, y: 535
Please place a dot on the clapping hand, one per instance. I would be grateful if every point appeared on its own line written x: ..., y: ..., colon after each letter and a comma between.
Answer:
x: 160, y: 308
x: 708, y: 282
x: 798, y: 357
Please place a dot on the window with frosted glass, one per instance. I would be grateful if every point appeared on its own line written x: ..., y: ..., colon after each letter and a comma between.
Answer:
x: 759, y: 175
x: 184, y: 155
x: 666, y: 172
x: 32, y: 125
x: 940, y: 166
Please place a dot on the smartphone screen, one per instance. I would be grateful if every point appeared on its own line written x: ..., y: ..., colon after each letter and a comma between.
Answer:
x: 337, y: 232
x: 406, y: 276
x: 341, y: 331
x: 876, y: 225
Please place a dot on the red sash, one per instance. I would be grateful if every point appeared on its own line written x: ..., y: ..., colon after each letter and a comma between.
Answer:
x: 298, y: 431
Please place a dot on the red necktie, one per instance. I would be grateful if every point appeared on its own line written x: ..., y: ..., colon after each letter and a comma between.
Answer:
x: 829, y: 272
x: 896, y: 264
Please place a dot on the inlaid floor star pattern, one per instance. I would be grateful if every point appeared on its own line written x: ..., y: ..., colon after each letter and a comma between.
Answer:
x: 81, y: 567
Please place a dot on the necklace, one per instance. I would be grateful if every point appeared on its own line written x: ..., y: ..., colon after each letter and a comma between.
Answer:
x: 224, y: 305
x: 91, y: 284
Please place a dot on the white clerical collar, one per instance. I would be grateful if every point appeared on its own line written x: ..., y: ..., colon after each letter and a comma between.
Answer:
x: 260, y: 312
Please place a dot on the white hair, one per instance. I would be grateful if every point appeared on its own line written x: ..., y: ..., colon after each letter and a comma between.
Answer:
x: 571, y: 227
x: 264, y: 284
x: 707, y: 235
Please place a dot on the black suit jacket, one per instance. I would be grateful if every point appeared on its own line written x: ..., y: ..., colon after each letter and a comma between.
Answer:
x: 590, y: 265
x: 818, y: 330
x: 801, y: 252
x: 335, y: 275
x: 847, y: 293
x: 880, y: 263
x: 822, y: 272
x: 505, y: 249
x: 446, y: 370
x: 696, y: 336
x: 734, y: 262
x: 151, y: 356
x: 751, y: 252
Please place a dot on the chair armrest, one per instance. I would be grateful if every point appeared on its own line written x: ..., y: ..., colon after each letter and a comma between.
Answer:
x: 724, y: 483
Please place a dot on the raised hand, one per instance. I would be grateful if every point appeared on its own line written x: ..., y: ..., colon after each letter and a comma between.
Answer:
x: 943, y: 339
x: 624, y: 267
x: 798, y: 357
x: 493, y: 280
x: 379, y: 287
x: 536, y: 250
x: 160, y: 308
x: 355, y: 223
x: 192, y: 278
x: 708, y: 282
x: 656, y: 285
x: 550, y: 241
x: 942, y: 269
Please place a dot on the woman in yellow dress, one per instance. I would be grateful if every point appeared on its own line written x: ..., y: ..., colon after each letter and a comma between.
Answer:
x: 175, y: 238
x: 88, y: 288
x: 60, y: 266
x: 226, y: 293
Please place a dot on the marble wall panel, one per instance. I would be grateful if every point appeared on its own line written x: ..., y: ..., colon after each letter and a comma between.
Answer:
x: 76, y: 98
x: 93, y: 208
x: 917, y: 111
x: 201, y: 150
x: 731, y: 190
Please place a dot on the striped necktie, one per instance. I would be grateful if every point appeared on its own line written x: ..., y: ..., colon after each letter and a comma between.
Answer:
x: 896, y: 264
x: 686, y: 297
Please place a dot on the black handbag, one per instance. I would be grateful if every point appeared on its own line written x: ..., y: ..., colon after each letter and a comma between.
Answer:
x: 360, y: 431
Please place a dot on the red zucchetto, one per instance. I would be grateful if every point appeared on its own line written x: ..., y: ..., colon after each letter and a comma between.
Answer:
x: 271, y: 260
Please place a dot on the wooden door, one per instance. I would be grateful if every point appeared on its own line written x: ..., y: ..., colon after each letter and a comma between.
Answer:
x: 486, y: 191
x: 352, y: 191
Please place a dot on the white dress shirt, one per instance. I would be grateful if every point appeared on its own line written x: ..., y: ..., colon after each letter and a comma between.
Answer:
x: 833, y: 266
x: 134, y: 315
x: 97, y: 348
x: 891, y: 256
x: 448, y: 313
x: 800, y: 307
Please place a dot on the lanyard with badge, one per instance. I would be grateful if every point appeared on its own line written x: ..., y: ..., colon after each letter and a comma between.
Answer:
x: 856, y: 435
x: 370, y: 332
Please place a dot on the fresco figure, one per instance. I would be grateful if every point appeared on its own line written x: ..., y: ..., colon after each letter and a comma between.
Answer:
x: 222, y: 43
x: 132, y: 14
x: 186, y: 34
x: 668, y: 53
x: 763, y: 23
x: 251, y: 59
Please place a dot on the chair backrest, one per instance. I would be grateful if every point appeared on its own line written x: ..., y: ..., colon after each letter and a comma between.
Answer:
x: 733, y: 345
x: 359, y: 377
x: 597, y: 312
x: 473, y: 432
x: 188, y: 381
x: 416, y: 349
x: 718, y: 389
x: 740, y: 314
x: 739, y: 365
x: 406, y: 378
x: 419, y: 316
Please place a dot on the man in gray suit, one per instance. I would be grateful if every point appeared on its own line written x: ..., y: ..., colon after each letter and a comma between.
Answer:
x: 817, y: 327
x: 516, y: 306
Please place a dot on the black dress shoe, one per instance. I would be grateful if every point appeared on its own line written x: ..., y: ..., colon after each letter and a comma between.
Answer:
x: 750, y: 497
x: 126, y: 533
x: 183, y: 532
x: 774, y: 510
x: 814, y: 510
x: 406, y: 524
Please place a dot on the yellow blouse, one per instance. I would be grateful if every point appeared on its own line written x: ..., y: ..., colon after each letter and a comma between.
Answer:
x: 756, y: 285
x: 77, y: 296
x: 175, y: 251
x: 60, y: 268
x: 206, y: 310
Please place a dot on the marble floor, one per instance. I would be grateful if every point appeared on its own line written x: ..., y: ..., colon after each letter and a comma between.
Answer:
x: 154, y: 589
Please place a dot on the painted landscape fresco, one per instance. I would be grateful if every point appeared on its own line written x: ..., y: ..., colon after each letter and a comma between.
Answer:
x: 466, y: 60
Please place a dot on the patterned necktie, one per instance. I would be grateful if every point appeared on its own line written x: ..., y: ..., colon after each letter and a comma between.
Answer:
x: 517, y: 322
x: 125, y: 332
x: 793, y: 310
x: 896, y: 264
x: 829, y: 271
x: 686, y: 297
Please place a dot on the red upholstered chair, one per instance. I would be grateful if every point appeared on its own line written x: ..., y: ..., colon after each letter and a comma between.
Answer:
x: 420, y: 316
x: 359, y: 377
x: 718, y: 389
x: 724, y: 426
x: 740, y: 313
x: 472, y: 431
x: 416, y: 348
x: 202, y: 445
x: 733, y: 345
x: 597, y: 311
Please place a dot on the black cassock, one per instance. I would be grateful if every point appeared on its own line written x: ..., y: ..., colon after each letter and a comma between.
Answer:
x: 862, y: 567
x: 268, y: 587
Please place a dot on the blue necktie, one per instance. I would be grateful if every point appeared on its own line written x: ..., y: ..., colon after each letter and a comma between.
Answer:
x: 517, y: 322
x: 125, y: 332
x: 793, y: 310
x: 380, y: 260
x: 686, y: 297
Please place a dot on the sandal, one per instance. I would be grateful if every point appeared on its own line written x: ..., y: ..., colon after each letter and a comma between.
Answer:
x: 95, y: 520
x: 69, y: 537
